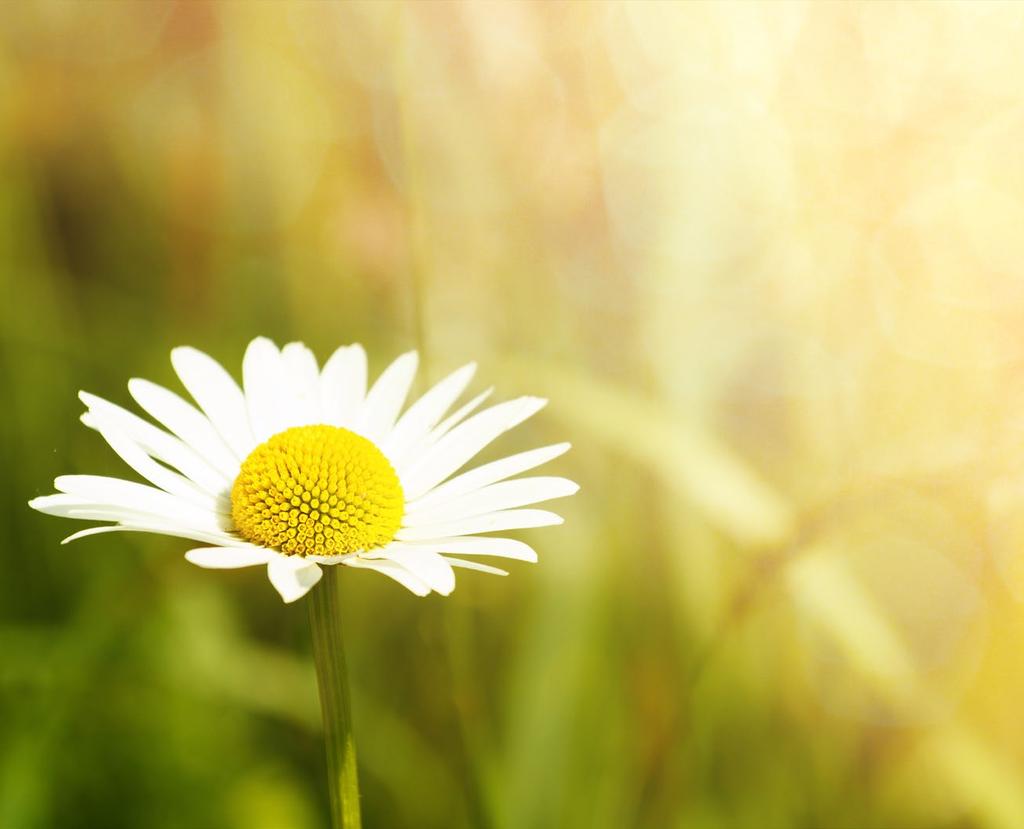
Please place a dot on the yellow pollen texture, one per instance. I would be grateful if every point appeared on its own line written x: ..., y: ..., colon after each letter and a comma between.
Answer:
x: 317, y: 490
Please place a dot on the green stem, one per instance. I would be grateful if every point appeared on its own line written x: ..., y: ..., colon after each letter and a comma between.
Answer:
x: 332, y: 679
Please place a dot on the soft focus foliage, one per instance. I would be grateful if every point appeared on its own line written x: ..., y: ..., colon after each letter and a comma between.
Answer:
x: 766, y: 259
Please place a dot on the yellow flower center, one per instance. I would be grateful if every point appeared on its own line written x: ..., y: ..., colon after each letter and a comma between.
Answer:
x: 317, y: 490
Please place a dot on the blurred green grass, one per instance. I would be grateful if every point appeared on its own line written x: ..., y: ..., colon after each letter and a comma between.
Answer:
x: 786, y: 594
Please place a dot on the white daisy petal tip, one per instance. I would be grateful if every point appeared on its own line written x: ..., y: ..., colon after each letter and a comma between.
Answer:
x: 39, y: 502
x: 262, y: 341
x: 391, y: 569
x: 428, y: 566
x: 532, y: 404
x: 292, y: 576
x: 474, y: 565
x: 182, y: 353
x: 88, y: 419
x: 447, y: 589
x: 89, y: 531
x: 558, y: 449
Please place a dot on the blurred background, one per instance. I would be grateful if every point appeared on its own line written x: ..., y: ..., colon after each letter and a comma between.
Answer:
x: 764, y: 258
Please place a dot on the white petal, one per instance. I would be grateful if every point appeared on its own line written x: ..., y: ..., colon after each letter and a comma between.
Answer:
x: 501, y: 496
x: 476, y: 546
x: 76, y: 506
x: 428, y: 566
x: 159, y: 444
x: 97, y: 491
x: 263, y: 377
x: 119, y: 492
x: 218, y: 396
x: 458, y: 416
x: 392, y: 569
x: 385, y: 399
x: 219, y: 539
x: 452, y: 451
x: 303, y: 390
x: 161, y: 476
x: 515, y: 519
x: 424, y: 414
x: 487, y: 474
x: 229, y: 558
x: 343, y: 385
x: 473, y: 565
x: 188, y: 423
x: 83, y: 509
x: 292, y: 576
x: 106, y: 528
x: 416, y: 452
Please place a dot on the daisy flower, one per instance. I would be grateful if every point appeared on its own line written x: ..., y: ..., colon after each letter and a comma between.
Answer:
x: 305, y: 467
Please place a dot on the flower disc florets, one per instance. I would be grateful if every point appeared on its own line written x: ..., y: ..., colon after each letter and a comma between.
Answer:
x: 317, y: 490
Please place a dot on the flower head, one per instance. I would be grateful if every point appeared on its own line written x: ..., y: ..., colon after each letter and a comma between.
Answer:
x: 303, y: 467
